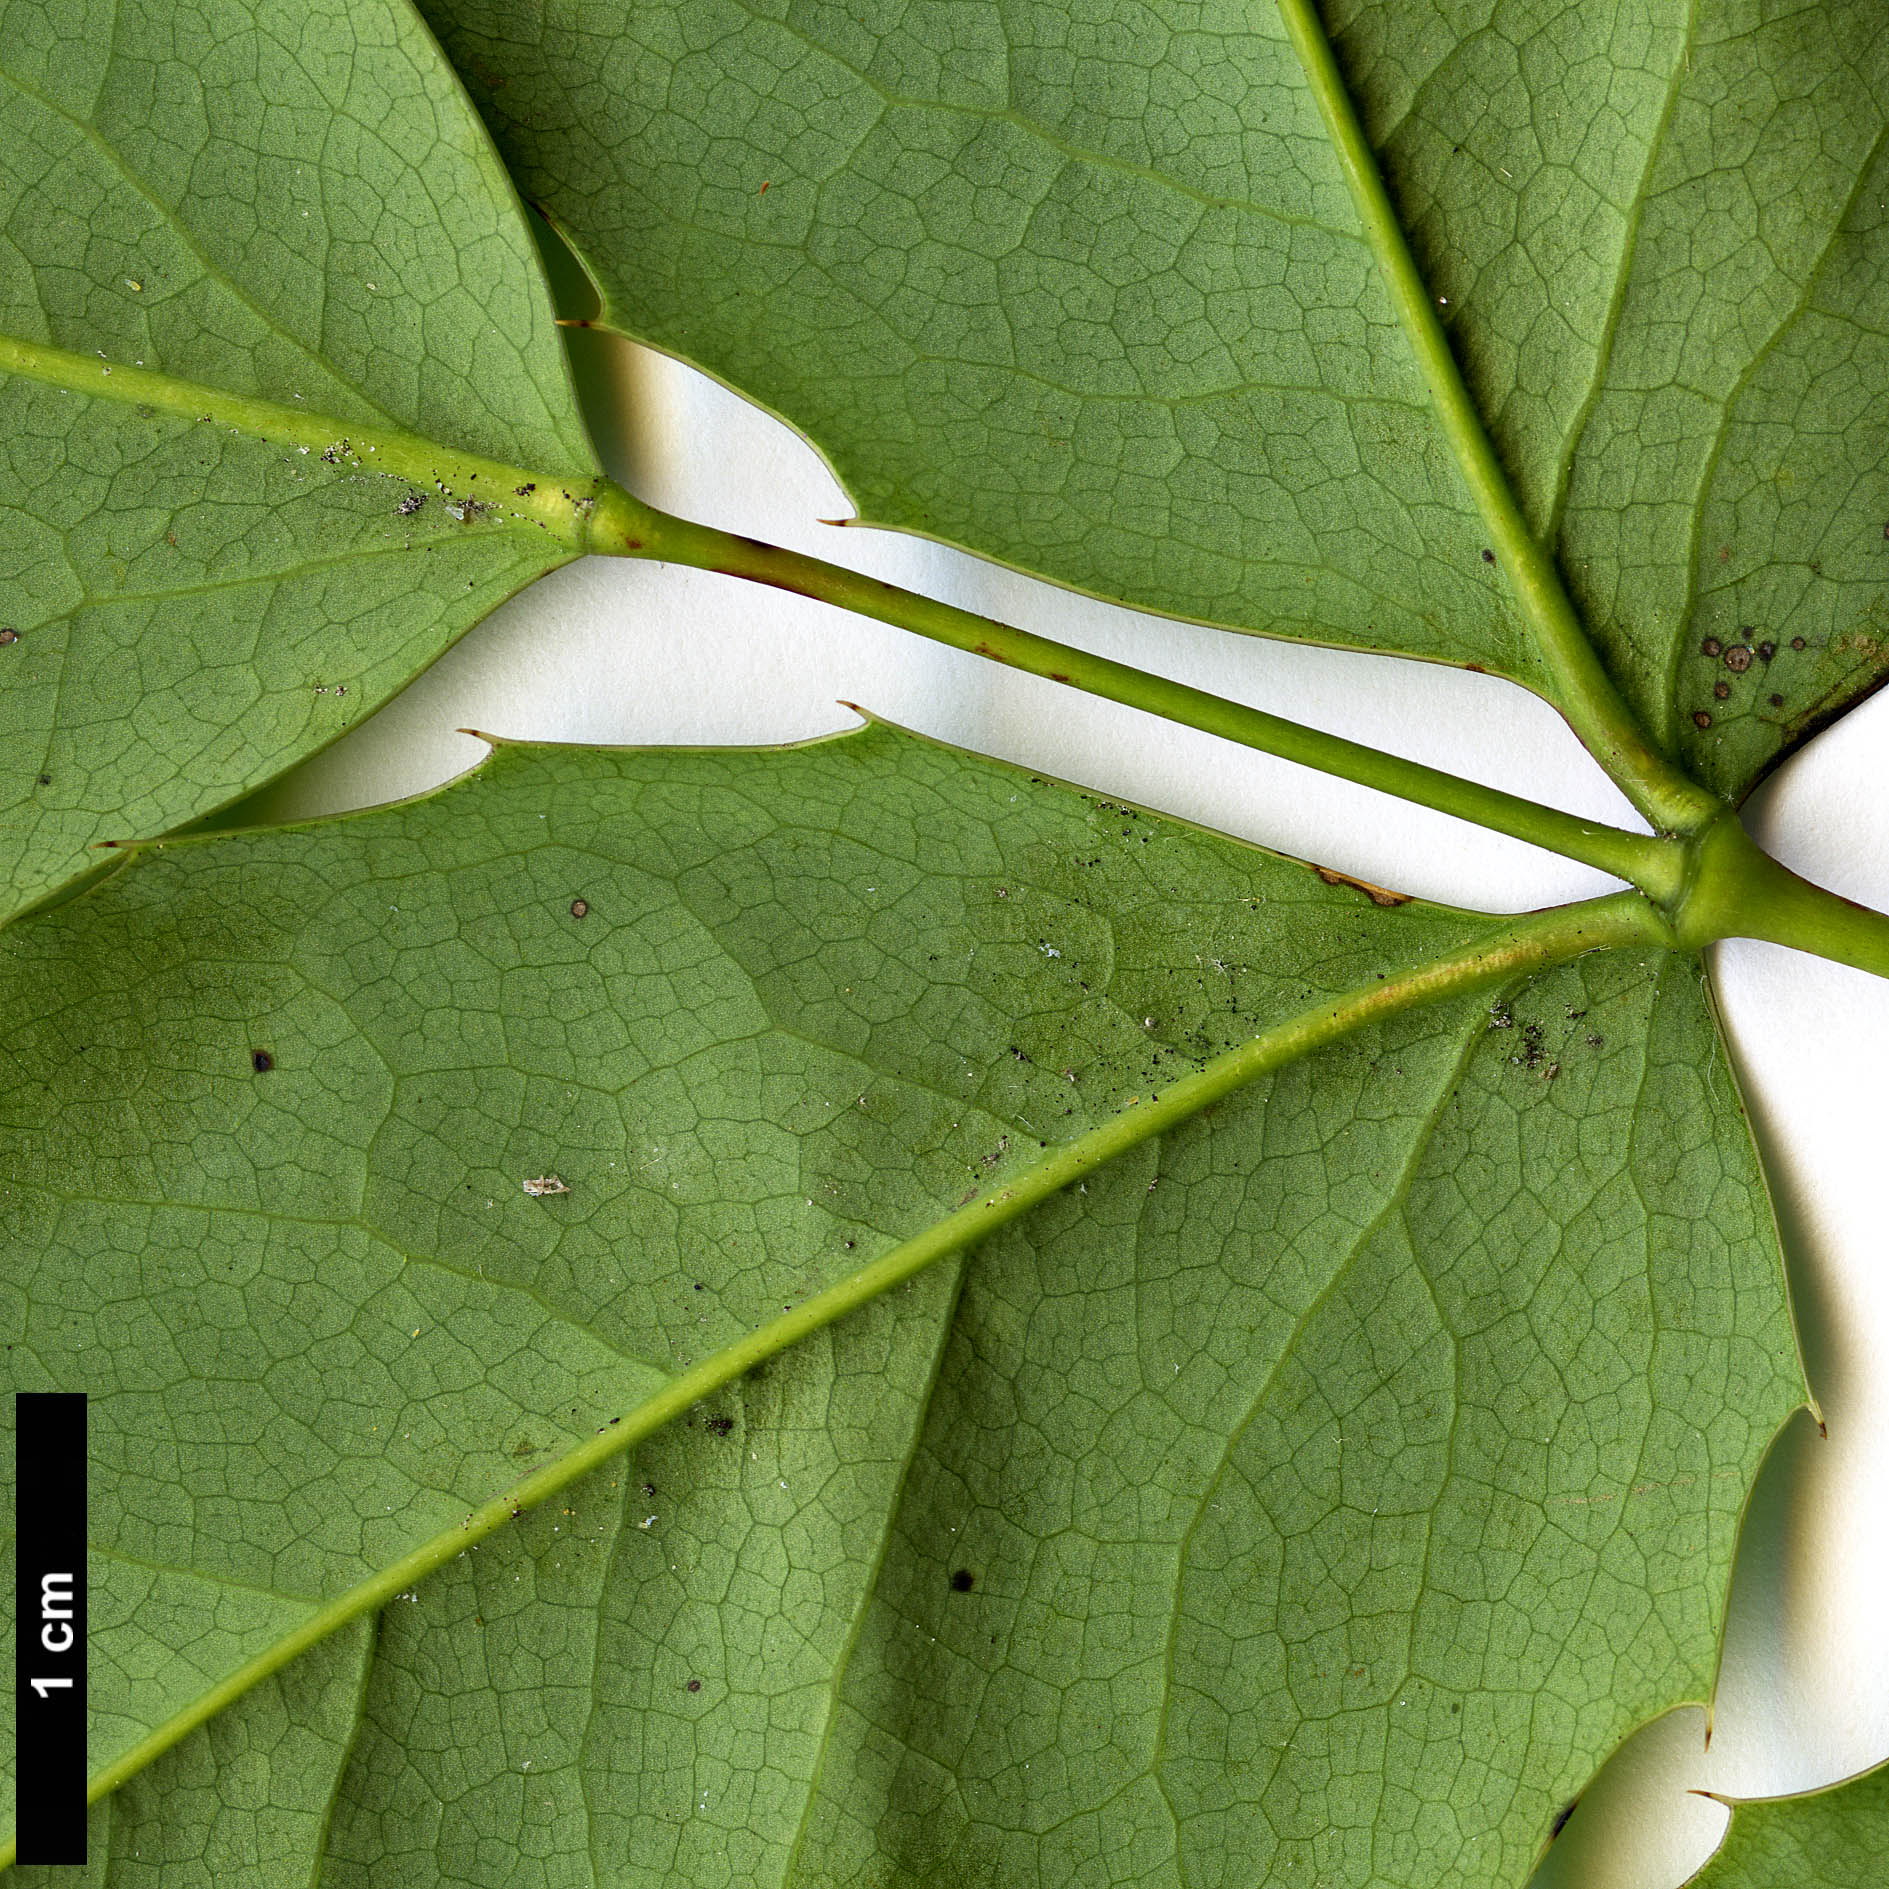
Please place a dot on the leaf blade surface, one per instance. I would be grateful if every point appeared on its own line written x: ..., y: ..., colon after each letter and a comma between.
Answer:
x: 1082, y: 297
x: 1835, y: 1839
x: 969, y: 1535
x: 289, y: 205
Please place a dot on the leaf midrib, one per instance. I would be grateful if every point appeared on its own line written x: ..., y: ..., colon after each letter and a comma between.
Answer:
x: 511, y: 497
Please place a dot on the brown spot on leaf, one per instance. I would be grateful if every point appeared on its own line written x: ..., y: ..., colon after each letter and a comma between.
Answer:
x: 261, y: 1061
x: 1710, y: 647
x: 1721, y: 690
x: 580, y: 908
x: 1700, y: 719
x: 1738, y: 658
x: 9, y: 636
x: 1377, y: 894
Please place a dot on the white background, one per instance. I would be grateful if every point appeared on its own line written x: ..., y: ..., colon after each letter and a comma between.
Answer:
x: 619, y: 652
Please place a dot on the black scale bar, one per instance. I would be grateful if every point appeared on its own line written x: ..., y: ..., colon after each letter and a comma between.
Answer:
x: 49, y: 1647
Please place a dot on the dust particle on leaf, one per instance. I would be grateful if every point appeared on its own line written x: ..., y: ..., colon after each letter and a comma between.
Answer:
x: 544, y: 1184
x: 410, y: 504
x: 261, y: 1061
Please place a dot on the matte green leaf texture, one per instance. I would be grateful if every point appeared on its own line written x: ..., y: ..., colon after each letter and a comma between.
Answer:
x: 287, y: 202
x: 1836, y: 1839
x: 1084, y: 291
x: 1320, y: 1491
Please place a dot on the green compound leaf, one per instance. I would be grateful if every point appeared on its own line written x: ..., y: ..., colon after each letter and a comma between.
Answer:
x: 1323, y: 1488
x: 1834, y: 1839
x: 235, y: 208
x: 1086, y: 294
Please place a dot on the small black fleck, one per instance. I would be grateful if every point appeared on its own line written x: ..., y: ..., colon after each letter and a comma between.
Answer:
x: 580, y: 908
x: 1700, y: 719
x: 261, y: 1061
x: 720, y: 1426
x: 524, y: 491
x: 1596, y: 1042
x: 649, y: 1489
x: 695, y: 1685
x: 1710, y: 647
x: 963, y: 1581
x: 45, y: 780
x: 1561, y: 1820
x: 1488, y: 557
x: 1797, y: 642
x: 1777, y: 701
x: 1738, y: 658
x: 1721, y: 690
x: 9, y: 636
x: 1766, y: 651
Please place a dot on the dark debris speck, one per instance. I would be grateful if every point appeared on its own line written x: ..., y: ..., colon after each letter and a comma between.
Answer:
x: 261, y: 1061
x: 963, y: 1581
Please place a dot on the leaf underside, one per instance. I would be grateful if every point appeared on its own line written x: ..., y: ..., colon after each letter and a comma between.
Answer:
x: 1087, y: 294
x: 1836, y: 1839
x: 289, y: 202
x: 1324, y: 1488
